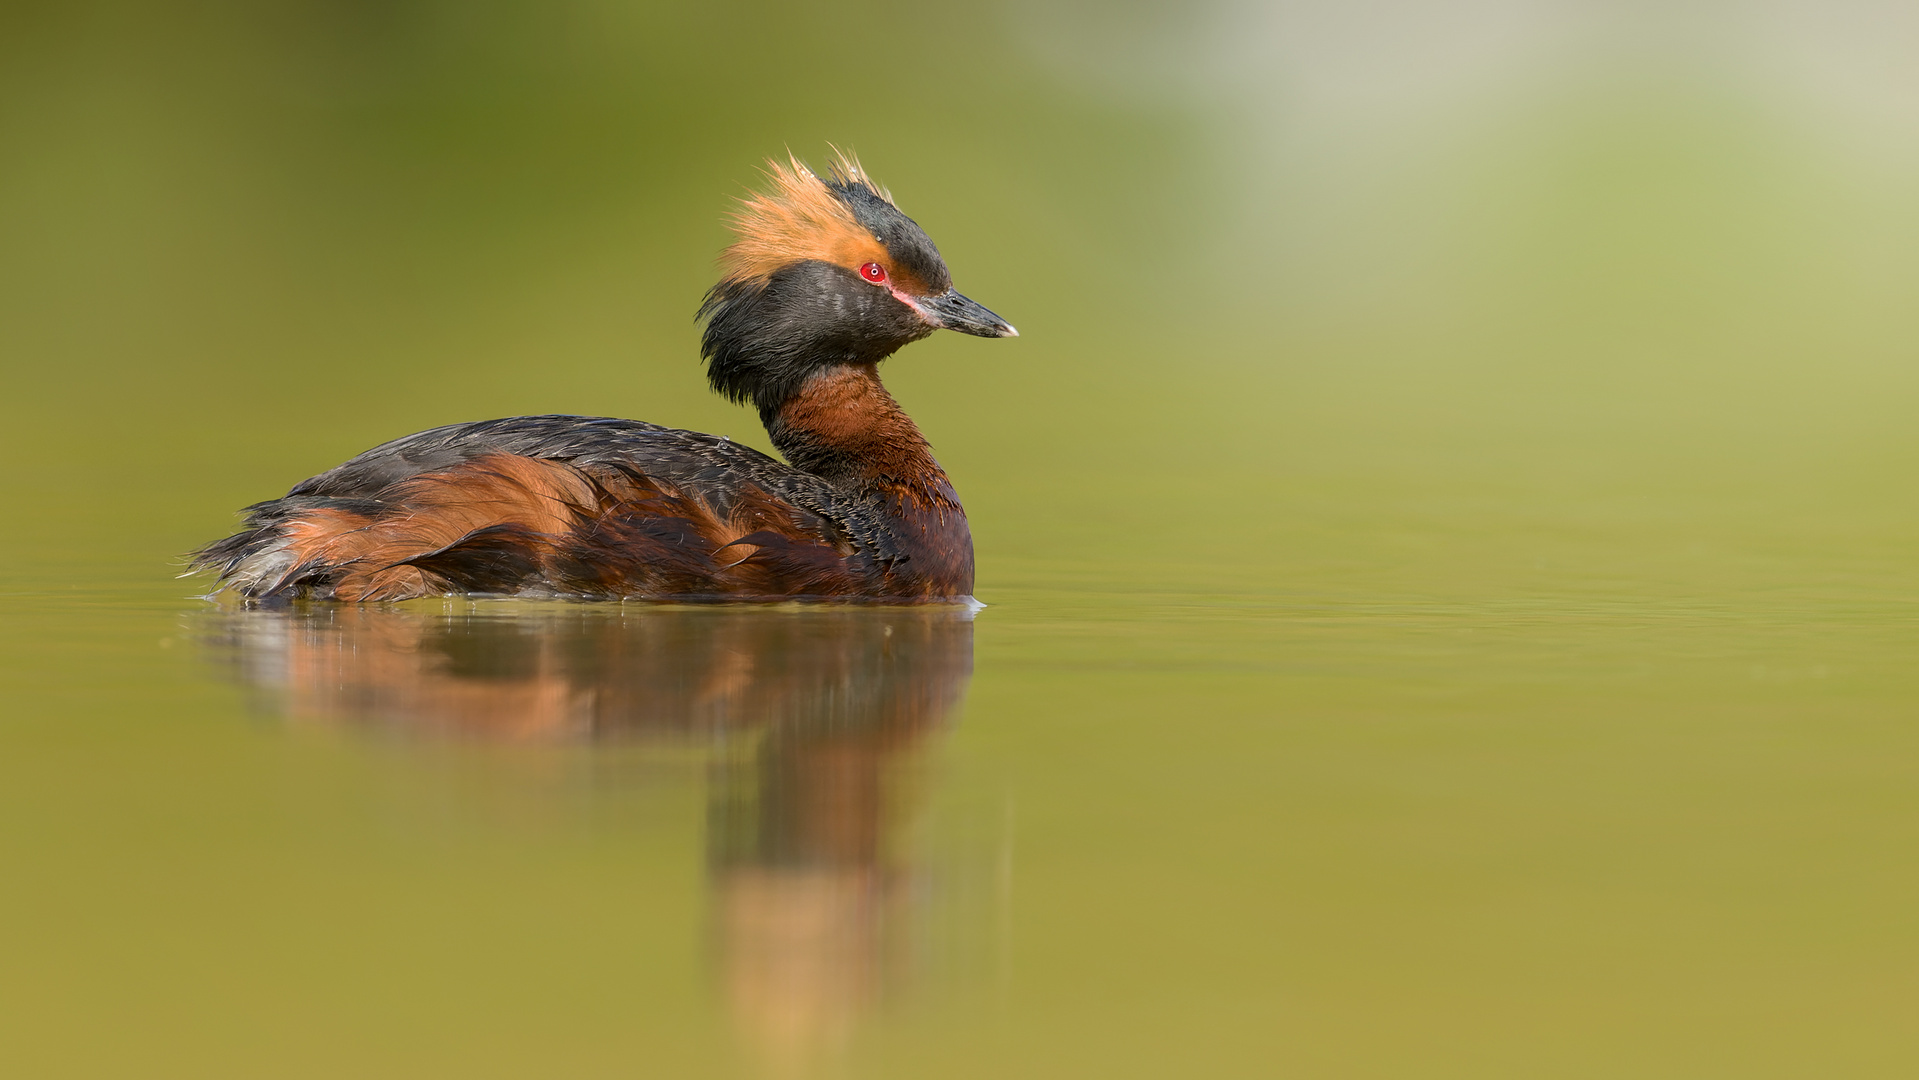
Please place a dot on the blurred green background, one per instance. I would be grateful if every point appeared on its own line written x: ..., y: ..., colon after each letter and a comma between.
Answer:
x: 1447, y: 522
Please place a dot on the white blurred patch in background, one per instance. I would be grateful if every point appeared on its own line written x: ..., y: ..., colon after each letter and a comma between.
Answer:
x: 1846, y: 64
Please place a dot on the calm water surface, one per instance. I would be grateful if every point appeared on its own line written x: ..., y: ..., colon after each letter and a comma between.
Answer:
x: 1082, y: 831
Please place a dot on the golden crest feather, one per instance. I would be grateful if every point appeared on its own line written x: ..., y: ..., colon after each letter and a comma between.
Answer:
x: 799, y: 218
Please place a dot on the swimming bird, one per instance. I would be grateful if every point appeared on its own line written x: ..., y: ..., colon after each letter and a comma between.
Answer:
x: 825, y: 278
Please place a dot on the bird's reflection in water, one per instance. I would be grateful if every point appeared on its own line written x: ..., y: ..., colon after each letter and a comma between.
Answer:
x: 813, y: 719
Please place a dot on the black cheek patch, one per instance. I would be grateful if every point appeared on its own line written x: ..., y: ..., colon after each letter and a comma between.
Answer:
x: 763, y: 341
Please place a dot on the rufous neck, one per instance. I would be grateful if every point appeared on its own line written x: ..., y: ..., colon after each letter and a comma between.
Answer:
x: 843, y: 426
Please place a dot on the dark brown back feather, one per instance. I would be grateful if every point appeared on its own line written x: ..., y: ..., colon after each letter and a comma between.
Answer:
x: 597, y: 523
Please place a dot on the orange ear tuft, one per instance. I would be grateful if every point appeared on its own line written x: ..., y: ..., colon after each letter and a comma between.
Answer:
x: 797, y: 219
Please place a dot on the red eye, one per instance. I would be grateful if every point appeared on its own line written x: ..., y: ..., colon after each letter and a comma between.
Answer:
x: 873, y: 272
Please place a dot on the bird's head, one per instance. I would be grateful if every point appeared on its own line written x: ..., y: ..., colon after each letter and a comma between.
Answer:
x: 824, y: 271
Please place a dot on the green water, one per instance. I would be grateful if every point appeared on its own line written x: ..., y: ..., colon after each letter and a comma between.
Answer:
x: 1447, y: 530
